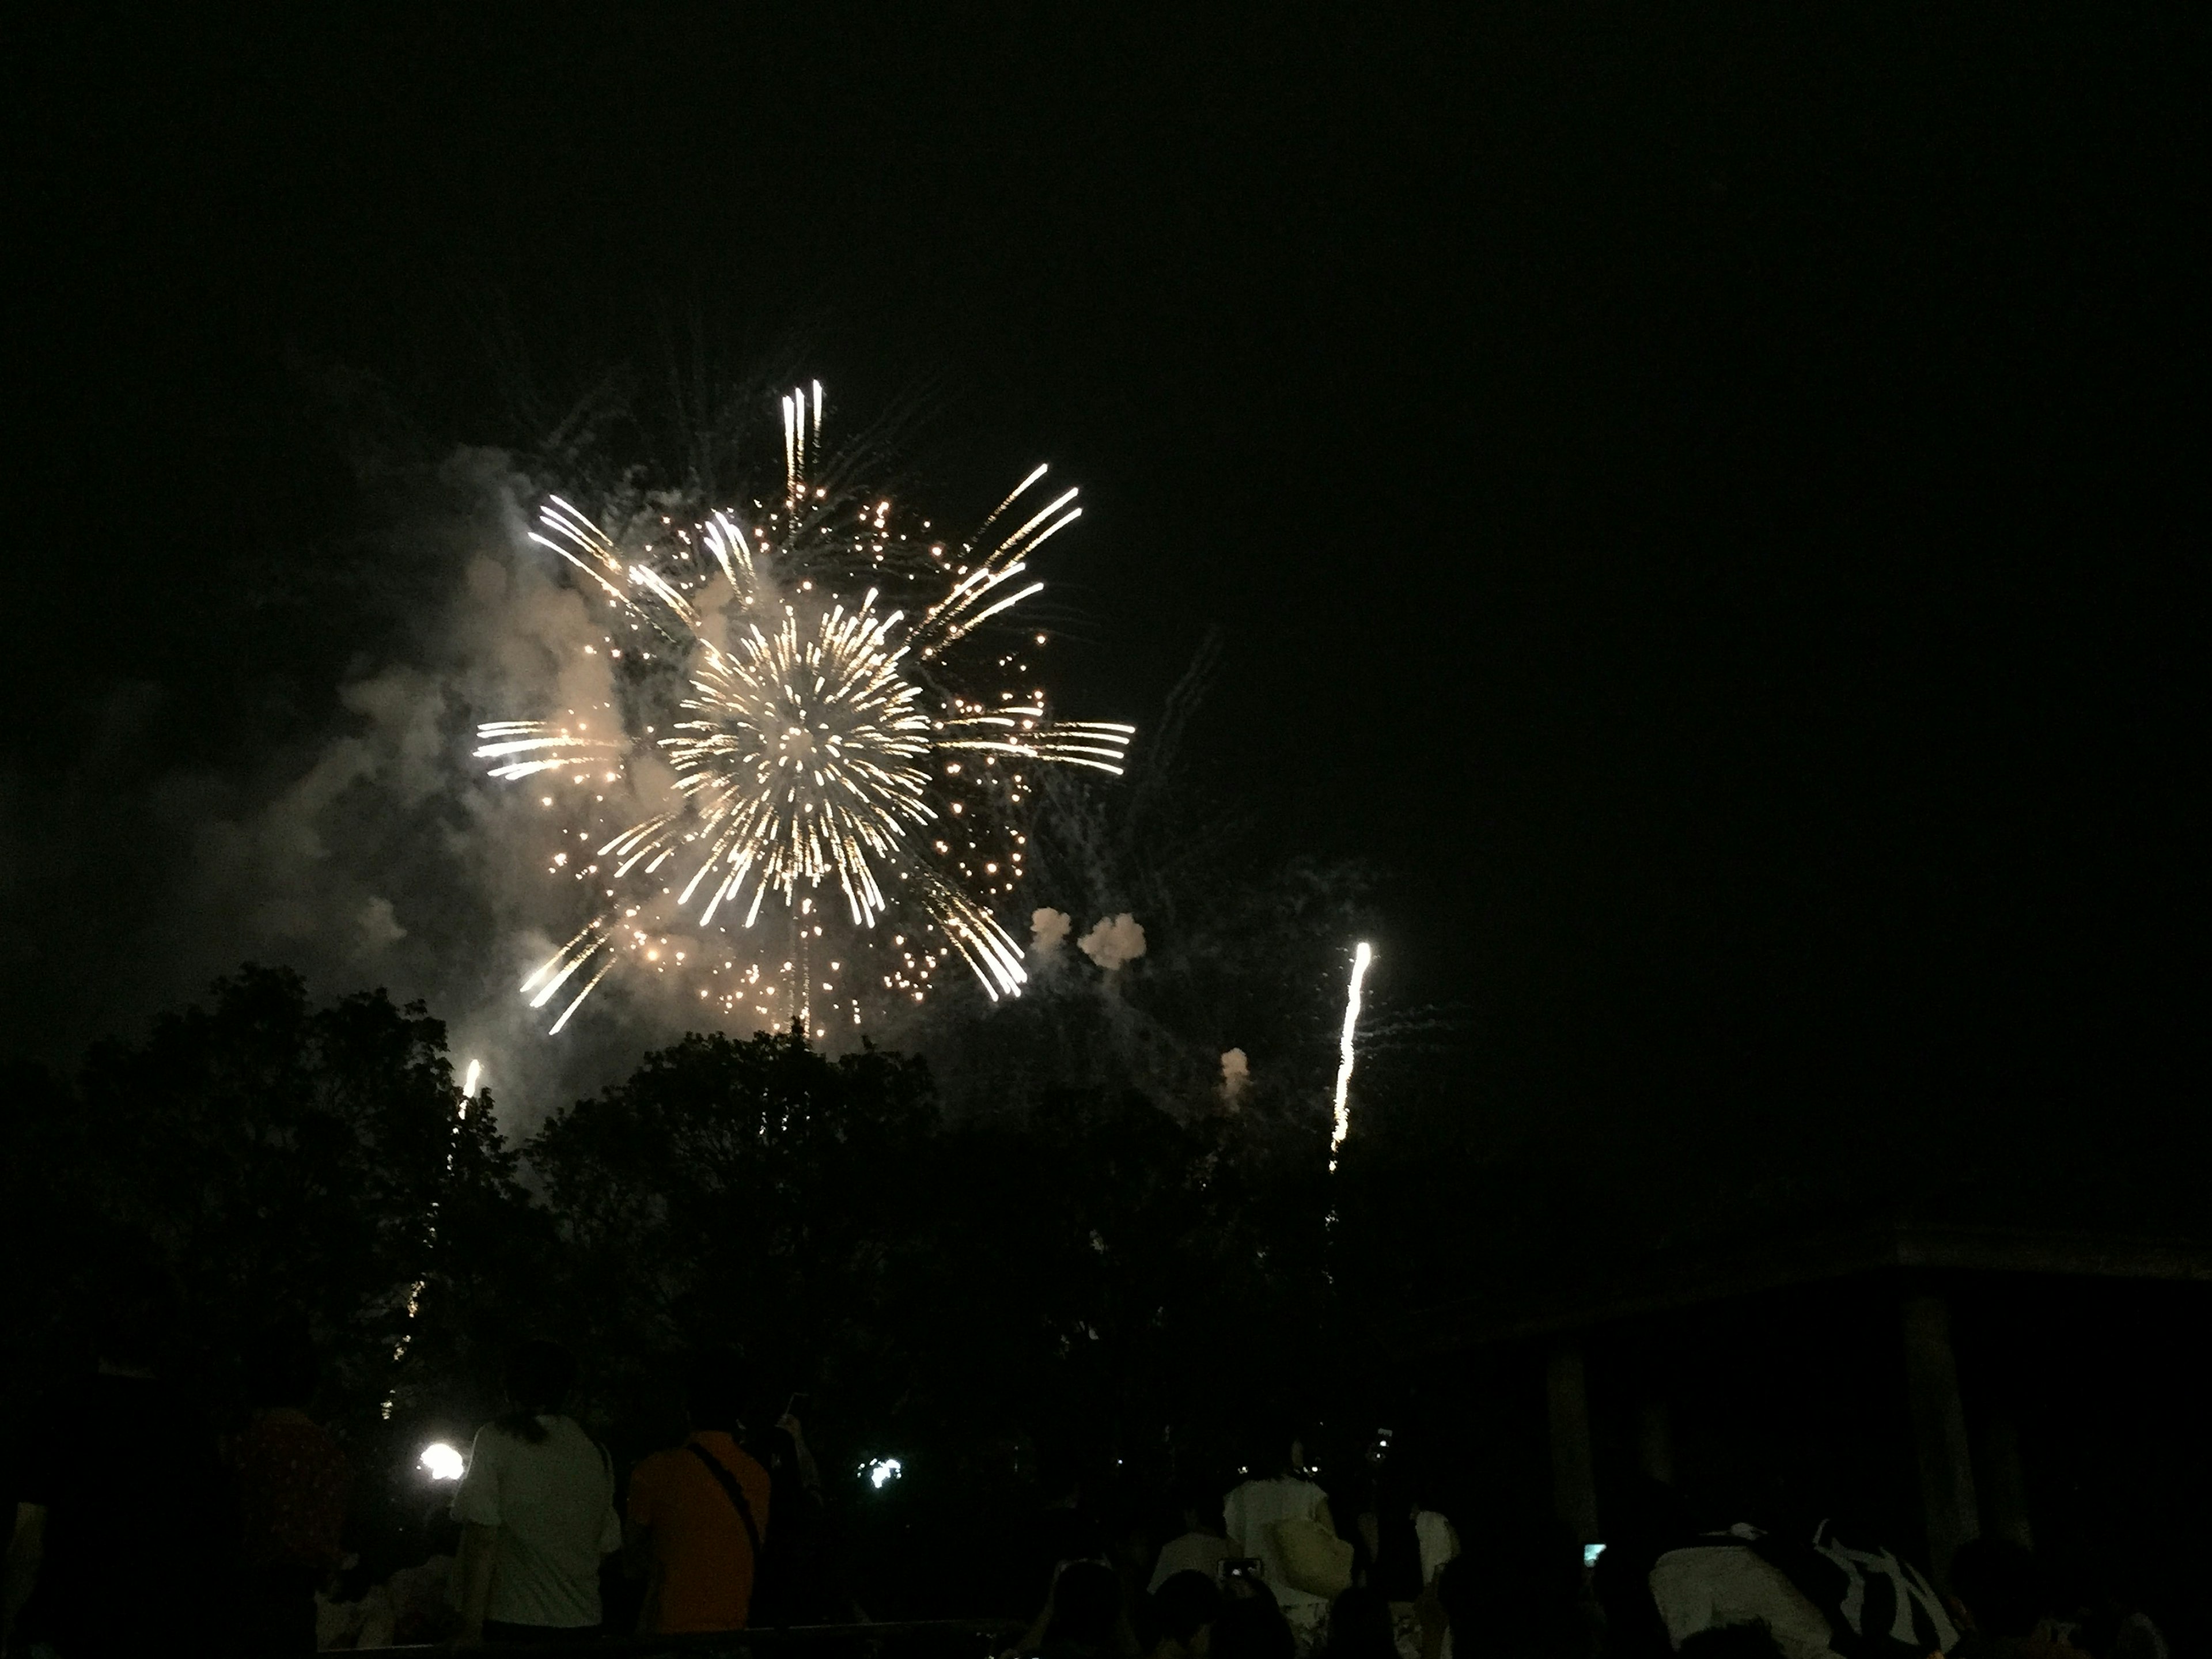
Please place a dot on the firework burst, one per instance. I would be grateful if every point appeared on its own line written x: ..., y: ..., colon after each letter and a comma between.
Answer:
x: 813, y: 750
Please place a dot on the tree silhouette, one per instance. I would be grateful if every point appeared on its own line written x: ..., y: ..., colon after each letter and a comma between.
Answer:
x: 283, y: 1163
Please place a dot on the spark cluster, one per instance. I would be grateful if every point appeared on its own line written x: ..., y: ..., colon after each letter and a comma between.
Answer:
x: 797, y: 749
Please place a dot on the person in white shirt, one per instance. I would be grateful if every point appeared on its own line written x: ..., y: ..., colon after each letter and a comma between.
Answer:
x: 1438, y: 1541
x: 1253, y: 1511
x: 537, y: 1512
x: 1725, y: 1579
x: 1200, y: 1548
x: 1710, y: 1587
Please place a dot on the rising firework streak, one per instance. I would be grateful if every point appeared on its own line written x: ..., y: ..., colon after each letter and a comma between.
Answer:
x: 828, y: 756
x: 1360, y: 958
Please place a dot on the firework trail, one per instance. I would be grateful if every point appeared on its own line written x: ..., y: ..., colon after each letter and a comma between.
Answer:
x: 1360, y: 959
x: 801, y: 722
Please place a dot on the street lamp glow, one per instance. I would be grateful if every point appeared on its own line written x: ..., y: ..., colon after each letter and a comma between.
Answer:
x: 882, y: 1472
x: 441, y: 1461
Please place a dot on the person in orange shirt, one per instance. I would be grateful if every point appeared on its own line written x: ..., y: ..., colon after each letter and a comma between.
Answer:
x: 698, y: 1514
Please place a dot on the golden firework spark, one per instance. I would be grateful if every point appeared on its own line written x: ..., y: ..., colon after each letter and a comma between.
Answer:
x: 822, y: 747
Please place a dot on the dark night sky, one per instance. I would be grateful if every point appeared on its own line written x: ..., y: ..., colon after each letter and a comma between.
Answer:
x: 1711, y: 495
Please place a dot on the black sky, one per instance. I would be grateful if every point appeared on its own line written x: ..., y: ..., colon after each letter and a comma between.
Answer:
x: 1711, y: 495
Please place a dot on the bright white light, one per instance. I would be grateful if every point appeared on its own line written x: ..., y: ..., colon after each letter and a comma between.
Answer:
x: 883, y: 1472
x: 1360, y: 958
x: 1591, y: 1553
x: 476, y: 1072
x: 441, y: 1462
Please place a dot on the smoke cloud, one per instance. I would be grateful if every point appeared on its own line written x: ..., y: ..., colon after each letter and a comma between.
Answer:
x: 1116, y: 940
x: 1048, y: 931
x: 1236, y: 1073
x: 390, y: 858
x: 376, y: 853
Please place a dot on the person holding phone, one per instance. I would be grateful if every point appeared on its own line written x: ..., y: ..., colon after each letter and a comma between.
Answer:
x: 794, y: 1584
x: 1200, y: 1547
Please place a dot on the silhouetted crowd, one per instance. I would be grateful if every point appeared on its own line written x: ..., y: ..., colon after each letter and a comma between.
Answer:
x: 1282, y: 1568
x: 136, y: 1531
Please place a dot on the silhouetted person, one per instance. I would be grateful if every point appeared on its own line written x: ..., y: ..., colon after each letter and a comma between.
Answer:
x: 798, y: 1580
x: 1183, y: 1611
x: 119, y: 1542
x: 537, y: 1508
x: 2002, y: 1592
x: 1062, y: 1531
x: 1359, y: 1626
x: 1391, y: 1539
x: 1086, y: 1612
x: 1064, y: 1526
x: 699, y: 1515
x: 1200, y: 1547
x: 1645, y: 1519
x: 290, y: 1481
x: 1515, y: 1593
x: 1251, y: 1626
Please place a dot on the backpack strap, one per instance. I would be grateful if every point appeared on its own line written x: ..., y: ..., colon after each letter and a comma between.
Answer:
x: 733, y: 1491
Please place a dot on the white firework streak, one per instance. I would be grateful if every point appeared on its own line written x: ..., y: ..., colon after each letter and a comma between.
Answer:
x: 1360, y: 959
x: 810, y: 732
